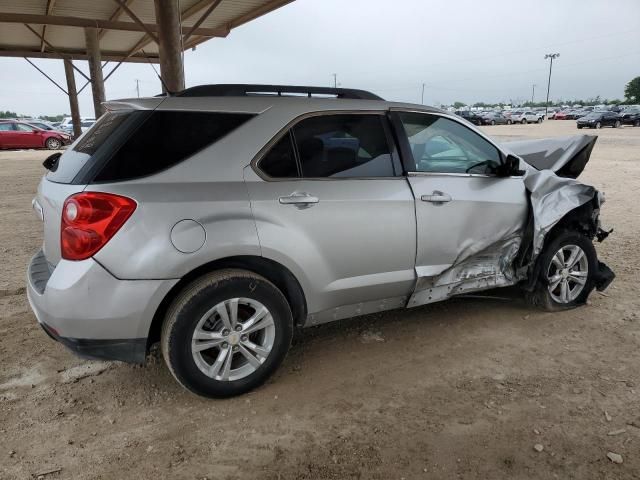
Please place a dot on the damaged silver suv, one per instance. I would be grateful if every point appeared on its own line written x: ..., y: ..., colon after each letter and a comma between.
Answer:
x: 217, y: 220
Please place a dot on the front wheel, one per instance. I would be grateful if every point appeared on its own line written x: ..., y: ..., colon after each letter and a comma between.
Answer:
x: 524, y: 121
x: 226, y: 333
x: 53, y: 143
x: 617, y: 124
x: 566, y: 275
x: 598, y: 125
x: 539, y: 120
x: 493, y: 122
x: 508, y: 122
x: 636, y: 123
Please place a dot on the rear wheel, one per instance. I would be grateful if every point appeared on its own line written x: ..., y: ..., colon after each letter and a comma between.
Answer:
x: 539, y: 120
x: 579, y: 127
x: 566, y: 275
x: 636, y: 123
x: 617, y: 124
x: 493, y: 122
x: 598, y: 125
x: 523, y: 121
x: 53, y: 143
x: 226, y: 333
x: 509, y: 122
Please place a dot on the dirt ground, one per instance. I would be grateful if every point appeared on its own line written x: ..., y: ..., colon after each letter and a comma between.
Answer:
x: 460, y: 389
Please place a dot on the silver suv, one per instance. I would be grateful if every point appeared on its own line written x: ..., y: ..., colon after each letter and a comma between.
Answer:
x: 217, y: 220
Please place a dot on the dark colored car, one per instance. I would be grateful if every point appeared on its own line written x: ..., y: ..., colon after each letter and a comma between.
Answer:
x: 470, y: 116
x: 495, y: 118
x: 599, y: 119
x: 22, y: 135
x: 631, y: 116
x: 576, y: 114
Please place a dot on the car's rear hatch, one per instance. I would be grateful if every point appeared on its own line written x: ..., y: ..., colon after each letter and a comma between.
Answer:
x: 74, y: 169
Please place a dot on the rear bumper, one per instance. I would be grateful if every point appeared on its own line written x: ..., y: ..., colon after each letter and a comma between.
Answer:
x: 84, y: 307
x: 131, y: 350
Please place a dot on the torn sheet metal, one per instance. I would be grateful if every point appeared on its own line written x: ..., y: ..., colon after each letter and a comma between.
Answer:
x: 550, y: 167
x: 566, y: 156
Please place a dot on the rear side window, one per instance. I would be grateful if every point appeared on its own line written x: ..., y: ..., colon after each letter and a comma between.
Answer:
x: 346, y: 145
x: 126, y: 145
x: 165, y: 139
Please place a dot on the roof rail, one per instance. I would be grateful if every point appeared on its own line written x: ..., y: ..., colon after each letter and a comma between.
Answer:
x: 244, y: 90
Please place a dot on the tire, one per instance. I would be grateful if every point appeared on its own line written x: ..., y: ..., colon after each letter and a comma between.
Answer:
x: 524, y: 121
x: 509, y: 122
x: 579, y: 127
x: 636, y: 123
x: 539, y: 120
x: 493, y: 122
x: 197, y: 308
x: 53, y: 143
x: 558, y: 297
x: 598, y: 125
x: 617, y: 124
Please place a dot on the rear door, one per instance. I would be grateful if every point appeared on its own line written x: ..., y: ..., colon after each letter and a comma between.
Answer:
x: 331, y: 204
x: 461, y: 206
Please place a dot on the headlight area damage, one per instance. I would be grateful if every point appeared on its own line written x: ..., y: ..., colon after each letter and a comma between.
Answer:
x: 557, y: 202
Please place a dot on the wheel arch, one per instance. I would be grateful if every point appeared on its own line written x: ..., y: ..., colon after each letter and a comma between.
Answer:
x: 273, y: 271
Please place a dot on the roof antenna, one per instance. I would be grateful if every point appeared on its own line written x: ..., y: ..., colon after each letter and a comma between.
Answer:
x: 169, y: 92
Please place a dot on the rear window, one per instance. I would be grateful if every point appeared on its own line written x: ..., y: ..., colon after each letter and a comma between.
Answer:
x: 124, y: 146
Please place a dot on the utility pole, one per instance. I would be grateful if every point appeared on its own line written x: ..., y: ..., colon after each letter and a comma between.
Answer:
x: 550, y: 56
x: 422, y: 98
x: 335, y: 80
x: 138, y: 87
x: 533, y: 92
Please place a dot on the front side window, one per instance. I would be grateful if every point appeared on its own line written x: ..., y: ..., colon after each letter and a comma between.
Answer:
x: 24, y: 128
x: 440, y: 145
x: 343, y: 145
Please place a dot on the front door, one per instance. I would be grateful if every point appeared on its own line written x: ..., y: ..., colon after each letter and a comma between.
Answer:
x: 331, y: 205
x: 462, y: 208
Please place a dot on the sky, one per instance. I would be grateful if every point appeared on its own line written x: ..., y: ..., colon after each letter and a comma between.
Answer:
x: 461, y: 50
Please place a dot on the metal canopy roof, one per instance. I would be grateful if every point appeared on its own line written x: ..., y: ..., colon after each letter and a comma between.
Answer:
x: 128, y: 30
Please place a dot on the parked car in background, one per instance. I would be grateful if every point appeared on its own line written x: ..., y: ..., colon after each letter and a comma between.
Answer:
x: 561, y: 115
x: 470, y: 116
x: 15, y: 134
x: 527, y: 117
x: 599, y: 119
x: 631, y: 116
x: 85, y: 124
x: 42, y: 125
x: 575, y: 114
x: 495, y: 118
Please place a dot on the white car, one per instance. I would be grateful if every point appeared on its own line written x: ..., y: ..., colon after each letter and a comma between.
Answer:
x: 527, y: 117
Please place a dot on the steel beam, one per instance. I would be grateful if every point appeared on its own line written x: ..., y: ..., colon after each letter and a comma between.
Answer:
x: 170, y: 44
x: 95, y: 69
x: 97, y: 23
x: 77, y: 55
x: 73, y: 96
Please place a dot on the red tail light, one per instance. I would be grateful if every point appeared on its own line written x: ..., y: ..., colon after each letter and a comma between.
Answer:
x: 89, y: 220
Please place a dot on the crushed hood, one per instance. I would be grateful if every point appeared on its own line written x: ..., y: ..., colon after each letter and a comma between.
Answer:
x: 565, y: 156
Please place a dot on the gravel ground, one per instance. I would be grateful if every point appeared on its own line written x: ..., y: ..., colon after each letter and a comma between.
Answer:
x: 469, y: 388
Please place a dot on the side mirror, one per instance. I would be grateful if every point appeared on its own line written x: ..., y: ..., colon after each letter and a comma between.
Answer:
x: 510, y: 167
x: 51, y: 163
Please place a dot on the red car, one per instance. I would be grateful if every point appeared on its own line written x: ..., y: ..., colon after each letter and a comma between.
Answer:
x: 562, y: 115
x: 14, y: 134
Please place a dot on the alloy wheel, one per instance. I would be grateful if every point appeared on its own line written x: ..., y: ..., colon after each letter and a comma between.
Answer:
x: 233, y: 339
x: 567, y: 274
